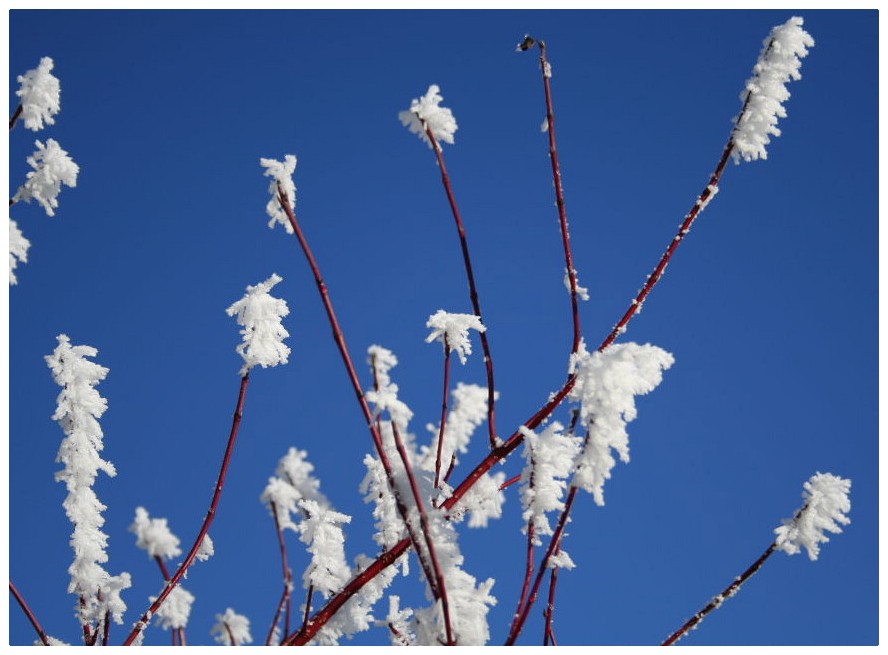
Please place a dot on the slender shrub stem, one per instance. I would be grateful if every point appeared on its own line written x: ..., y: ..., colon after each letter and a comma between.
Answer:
x: 717, y: 602
x: 443, y: 413
x: 15, y: 117
x: 473, y: 291
x: 208, y: 520
x: 288, y: 580
x: 29, y: 613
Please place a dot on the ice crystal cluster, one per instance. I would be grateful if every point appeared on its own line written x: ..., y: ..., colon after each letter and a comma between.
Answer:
x: 18, y: 249
x: 79, y: 408
x: 39, y: 95
x: 607, y: 383
x: 232, y: 629
x: 765, y: 92
x: 281, y: 173
x: 260, y: 315
x: 52, y: 168
x: 826, y: 505
x: 154, y: 536
x: 452, y: 330
x: 426, y: 111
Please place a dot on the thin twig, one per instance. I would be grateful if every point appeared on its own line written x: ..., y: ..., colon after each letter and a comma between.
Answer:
x: 549, y: 613
x: 438, y: 587
x: 288, y: 579
x: 15, y: 117
x: 473, y: 291
x: 208, y: 520
x: 443, y: 414
x: 30, y: 614
x: 716, y: 602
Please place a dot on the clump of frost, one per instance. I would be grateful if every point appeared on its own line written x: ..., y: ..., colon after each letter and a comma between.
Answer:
x: 765, y: 92
x: 468, y: 412
x: 232, y: 629
x: 356, y: 615
x: 389, y: 526
x: 385, y: 395
x: 176, y: 609
x: 18, y: 249
x: 292, y: 484
x: 397, y: 622
x: 453, y: 331
x: 280, y: 173
x: 154, y: 536
x: 52, y: 168
x: 606, y: 386
x: 426, y: 111
x: 328, y: 571
x: 79, y: 408
x: 260, y: 315
x: 206, y: 550
x: 549, y: 458
x: 826, y: 504
x: 582, y: 292
x: 39, y: 95
x: 484, y: 501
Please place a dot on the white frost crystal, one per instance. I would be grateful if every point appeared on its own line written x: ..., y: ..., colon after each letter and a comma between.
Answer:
x: 176, y: 609
x: 778, y: 63
x: 18, y: 249
x: 52, y: 168
x: 39, y: 95
x: 606, y: 386
x: 426, y: 111
x: 826, y: 504
x: 232, y: 625
x: 260, y: 315
x: 293, y: 483
x: 79, y: 408
x: 280, y: 173
x: 453, y: 330
x: 153, y: 536
x: 385, y: 394
x: 206, y: 550
x: 328, y: 571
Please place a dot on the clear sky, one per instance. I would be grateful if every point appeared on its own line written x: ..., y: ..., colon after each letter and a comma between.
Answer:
x: 769, y: 307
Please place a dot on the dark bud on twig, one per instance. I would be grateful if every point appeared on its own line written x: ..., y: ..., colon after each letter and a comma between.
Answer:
x: 526, y: 44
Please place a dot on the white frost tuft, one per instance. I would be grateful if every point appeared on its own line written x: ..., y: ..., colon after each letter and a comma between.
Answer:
x: 453, y: 331
x: 52, y: 168
x: 293, y: 483
x: 426, y: 111
x: 39, y: 95
x: 153, y: 536
x: 18, y: 249
x: 280, y: 173
x: 176, y: 609
x: 328, y: 571
x: 607, y: 383
x: 260, y: 315
x: 79, y: 408
x: 826, y: 503
x: 766, y: 92
x: 232, y: 629
x: 385, y: 395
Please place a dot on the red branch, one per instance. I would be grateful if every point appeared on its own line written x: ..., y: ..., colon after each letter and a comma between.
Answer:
x: 716, y: 602
x: 443, y: 414
x: 15, y: 117
x: 288, y: 580
x: 31, y: 617
x: 438, y: 586
x: 549, y: 613
x: 473, y: 291
x: 208, y: 520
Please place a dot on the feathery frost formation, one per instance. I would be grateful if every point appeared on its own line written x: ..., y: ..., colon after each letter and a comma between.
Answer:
x: 453, y: 330
x: 292, y: 484
x: 280, y: 173
x: 607, y: 383
x: 18, y: 249
x: 779, y: 62
x: 826, y: 504
x: 176, y: 609
x: 320, y: 530
x: 426, y: 111
x: 52, y: 168
x: 385, y: 394
x: 232, y: 629
x: 79, y: 408
x: 39, y: 95
x: 260, y: 315
x: 550, y: 458
x: 153, y: 536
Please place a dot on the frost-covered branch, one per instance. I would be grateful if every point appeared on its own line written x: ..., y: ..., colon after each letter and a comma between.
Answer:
x: 52, y: 168
x: 232, y: 629
x: 18, y: 249
x: 79, y: 408
x: 39, y: 96
x: 826, y: 503
x: 260, y: 314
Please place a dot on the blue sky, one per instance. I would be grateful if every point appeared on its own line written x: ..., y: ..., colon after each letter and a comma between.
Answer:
x: 769, y: 307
